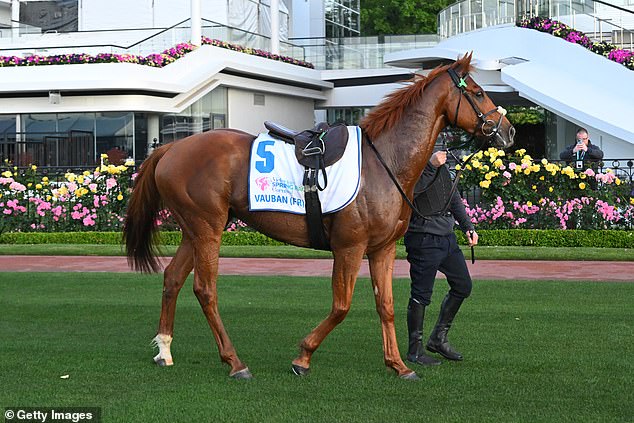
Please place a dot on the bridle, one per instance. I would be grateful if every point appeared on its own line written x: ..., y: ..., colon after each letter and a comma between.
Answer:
x: 461, y: 84
x: 489, y: 128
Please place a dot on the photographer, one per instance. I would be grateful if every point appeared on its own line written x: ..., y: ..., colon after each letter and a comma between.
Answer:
x: 581, y: 151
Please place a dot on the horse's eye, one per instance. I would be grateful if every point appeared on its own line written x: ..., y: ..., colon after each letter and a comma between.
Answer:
x: 479, y: 94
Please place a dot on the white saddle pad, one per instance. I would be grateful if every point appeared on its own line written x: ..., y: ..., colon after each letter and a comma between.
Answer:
x: 275, y: 176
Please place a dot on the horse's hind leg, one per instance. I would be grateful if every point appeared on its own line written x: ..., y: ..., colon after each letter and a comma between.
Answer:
x: 381, y: 266
x: 206, y: 250
x: 173, y: 279
x: 344, y: 276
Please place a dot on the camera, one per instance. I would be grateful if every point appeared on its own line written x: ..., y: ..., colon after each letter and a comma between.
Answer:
x: 579, y: 141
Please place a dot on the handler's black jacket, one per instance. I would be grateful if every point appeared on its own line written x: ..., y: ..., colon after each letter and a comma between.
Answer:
x: 437, y: 224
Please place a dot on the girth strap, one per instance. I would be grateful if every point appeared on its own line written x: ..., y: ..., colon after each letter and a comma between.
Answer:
x: 316, y: 231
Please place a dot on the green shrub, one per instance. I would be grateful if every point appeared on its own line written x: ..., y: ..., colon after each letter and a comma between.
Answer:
x: 488, y: 237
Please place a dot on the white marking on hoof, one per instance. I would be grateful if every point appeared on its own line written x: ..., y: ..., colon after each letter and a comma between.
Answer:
x: 164, y: 357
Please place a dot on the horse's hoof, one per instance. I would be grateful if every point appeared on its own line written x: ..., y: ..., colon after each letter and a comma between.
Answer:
x: 410, y: 376
x: 244, y: 374
x: 161, y: 362
x: 299, y: 370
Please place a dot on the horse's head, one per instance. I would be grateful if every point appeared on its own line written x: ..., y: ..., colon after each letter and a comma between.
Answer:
x: 476, y: 114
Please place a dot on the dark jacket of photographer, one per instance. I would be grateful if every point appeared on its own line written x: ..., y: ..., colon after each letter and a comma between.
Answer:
x: 593, y: 153
x: 431, y: 197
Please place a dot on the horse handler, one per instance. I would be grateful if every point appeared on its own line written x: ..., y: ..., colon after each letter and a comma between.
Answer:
x: 431, y: 246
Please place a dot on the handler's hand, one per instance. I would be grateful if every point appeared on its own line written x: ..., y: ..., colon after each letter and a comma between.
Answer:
x: 472, y: 237
x: 438, y: 159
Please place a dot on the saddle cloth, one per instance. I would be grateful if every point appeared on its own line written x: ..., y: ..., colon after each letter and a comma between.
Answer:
x: 275, y: 176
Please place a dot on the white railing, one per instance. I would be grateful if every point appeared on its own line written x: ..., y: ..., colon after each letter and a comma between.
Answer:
x: 602, y: 21
x: 469, y: 15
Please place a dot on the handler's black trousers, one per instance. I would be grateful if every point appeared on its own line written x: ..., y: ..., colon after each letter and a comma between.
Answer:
x: 427, y: 253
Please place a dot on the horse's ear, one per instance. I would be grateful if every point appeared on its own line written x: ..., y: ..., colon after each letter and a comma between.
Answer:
x: 465, y: 62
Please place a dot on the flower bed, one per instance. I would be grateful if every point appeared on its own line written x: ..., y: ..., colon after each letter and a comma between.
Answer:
x: 561, y: 30
x: 515, y: 192
x: 157, y: 60
x: 89, y: 201
x: 519, y: 192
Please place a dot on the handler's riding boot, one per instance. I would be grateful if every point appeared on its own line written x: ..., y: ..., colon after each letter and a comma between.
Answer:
x: 438, y: 339
x: 415, y: 317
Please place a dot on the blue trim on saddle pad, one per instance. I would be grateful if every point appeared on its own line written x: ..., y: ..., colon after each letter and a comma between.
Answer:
x: 276, y: 178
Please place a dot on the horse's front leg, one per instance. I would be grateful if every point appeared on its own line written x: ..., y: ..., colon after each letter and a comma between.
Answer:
x: 344, y: 275
x: 381, y: 267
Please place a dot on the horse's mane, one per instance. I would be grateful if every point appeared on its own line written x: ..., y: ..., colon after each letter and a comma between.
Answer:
x: 391, y: 110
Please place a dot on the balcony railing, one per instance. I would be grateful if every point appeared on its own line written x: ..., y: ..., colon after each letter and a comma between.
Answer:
x: 600, y: 20
x: 359, y: 52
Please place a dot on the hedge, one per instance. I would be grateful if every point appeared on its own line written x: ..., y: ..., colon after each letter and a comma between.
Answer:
x: 489, y: 237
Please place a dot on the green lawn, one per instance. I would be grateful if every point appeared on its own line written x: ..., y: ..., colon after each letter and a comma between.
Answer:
x: 482, y: 252
x: 535, y: 352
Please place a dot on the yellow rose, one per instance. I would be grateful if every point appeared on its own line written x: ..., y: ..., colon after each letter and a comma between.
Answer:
x: 86, y: 173
x: 541, y: 178
x: 45, y: 179
x: 544, y: 162
x: 501, y: 153
x: 550, y: 189
x: 527, y: 171
x: 498, y: 163
x: 534, y: 187
x: 632, y: 201
x: 7, y: 174
x: 458, y: 167
x: 617, y: 181
x: 119, y: 197
x: 104, y: 156
x: 529, y: 204
x: 582, y: 185
x: 485, y: 184
x: 38, y: 186
x: 33, y: 167
x: 29, y: 185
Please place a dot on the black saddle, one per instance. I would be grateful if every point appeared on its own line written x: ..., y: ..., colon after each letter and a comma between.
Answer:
x: 315, y: 149
x: 322, y: 140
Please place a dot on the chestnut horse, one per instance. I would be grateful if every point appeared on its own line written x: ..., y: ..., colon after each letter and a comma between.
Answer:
x: 202, y: 180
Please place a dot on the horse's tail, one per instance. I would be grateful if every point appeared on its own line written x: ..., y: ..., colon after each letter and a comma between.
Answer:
x: 139, y: 228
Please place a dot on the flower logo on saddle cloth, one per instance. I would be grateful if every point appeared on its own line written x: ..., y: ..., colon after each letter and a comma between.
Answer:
x: 275, y: 176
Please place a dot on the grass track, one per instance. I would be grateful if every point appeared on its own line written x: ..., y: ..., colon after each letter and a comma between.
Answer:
x: 535, y: 352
